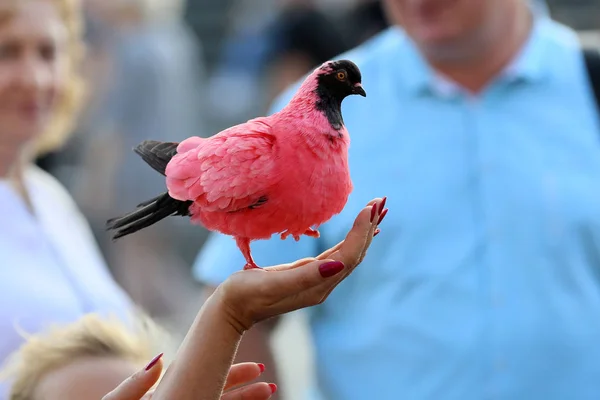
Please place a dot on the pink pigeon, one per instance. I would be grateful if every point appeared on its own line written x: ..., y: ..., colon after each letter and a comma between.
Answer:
x: 286, y: 173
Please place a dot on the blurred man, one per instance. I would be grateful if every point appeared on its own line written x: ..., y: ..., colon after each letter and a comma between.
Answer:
x: 484, y: 283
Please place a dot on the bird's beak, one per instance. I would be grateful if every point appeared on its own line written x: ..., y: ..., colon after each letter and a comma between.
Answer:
x: 358, y: 89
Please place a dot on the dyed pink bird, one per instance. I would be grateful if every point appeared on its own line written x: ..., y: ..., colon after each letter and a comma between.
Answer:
x: 286, y: 173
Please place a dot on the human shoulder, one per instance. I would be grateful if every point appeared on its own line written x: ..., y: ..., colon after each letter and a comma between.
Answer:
x: 48, y: 189
x: 557, y: 34
x: 42, y: 180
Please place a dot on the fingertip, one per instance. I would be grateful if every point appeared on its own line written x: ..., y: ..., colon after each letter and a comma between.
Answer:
x: 153, y: 362
x: 273, y: 388
x: 329, y: 268
x: 365, y: 217
x: 374, y: 201
x: 138, y: 384
x: 261, y: 367
x: 382, y: 204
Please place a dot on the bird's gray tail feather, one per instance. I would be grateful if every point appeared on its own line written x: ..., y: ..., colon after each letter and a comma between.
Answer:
x: 148, y: 213
x: 157, y: 155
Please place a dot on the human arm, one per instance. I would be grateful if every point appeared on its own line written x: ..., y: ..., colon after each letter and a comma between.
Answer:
x: 249, y: 297
x: 219, y: 258
x: 255, y: 344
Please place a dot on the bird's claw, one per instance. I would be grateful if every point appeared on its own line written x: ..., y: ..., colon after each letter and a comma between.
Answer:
x: 251, y: 265
x: 312, y: 233
x: 309, y: 232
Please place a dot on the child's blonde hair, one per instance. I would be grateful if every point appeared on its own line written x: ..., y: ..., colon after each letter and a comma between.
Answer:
x: 90, y: 336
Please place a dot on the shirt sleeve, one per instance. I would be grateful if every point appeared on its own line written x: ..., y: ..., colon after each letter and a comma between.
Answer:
x: 220, y: 256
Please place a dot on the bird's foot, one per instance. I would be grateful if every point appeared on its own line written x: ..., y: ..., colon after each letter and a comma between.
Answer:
x: 251, y: 265
x: 312, y: 233
x: 287, y: 233
x: 309, y: 232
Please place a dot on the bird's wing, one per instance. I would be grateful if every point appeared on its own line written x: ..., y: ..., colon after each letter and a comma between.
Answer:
x: 228, y: 172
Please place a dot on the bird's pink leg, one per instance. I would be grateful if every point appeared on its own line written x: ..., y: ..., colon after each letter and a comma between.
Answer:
x: 244, y: 246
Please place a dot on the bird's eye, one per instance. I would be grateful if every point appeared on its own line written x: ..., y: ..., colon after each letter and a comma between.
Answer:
x: 341, y: 76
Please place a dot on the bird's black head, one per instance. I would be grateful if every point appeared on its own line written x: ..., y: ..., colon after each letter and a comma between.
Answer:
x: 335, y: 81
x: 338, y: 79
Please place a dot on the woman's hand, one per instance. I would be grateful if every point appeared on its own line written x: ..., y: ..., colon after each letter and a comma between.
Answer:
x: 137, y: 387
x: 236, y: 387
x: 199, y: 371
x: 250, y: 296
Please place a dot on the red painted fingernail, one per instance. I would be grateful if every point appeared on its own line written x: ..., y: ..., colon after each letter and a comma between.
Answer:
x: 331, y: 268
x: 373, y: 211
x: 382, y: 204
x: 382, y: 216
x: 262, y: 367
x: 273, y: 387
x: 154, y: 361
x: 376, y: 232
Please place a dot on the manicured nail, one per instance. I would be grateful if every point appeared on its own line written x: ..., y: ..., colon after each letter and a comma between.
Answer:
x: 382, y: 204
x: 382, y: 216
x: 153, y: 362
x: 373, y: 211
x: 376, y: 232
x: 330, y: 268
x: 273, y: 387
x: 262, y: 367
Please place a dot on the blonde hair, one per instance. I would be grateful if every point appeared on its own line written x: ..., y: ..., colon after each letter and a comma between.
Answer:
x: 72, y: 96
x: 156, y: 10
x: 90, y: 336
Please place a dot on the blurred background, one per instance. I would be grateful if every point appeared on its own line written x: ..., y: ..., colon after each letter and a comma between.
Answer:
x: 167, y: 70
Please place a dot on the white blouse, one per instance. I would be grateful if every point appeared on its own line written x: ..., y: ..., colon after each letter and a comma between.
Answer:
x: 51, y: 270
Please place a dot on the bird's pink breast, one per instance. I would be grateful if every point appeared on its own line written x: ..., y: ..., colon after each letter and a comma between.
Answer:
x: 313, y: 185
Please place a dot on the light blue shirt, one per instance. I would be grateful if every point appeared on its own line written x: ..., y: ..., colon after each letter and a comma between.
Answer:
x: 485, y: 280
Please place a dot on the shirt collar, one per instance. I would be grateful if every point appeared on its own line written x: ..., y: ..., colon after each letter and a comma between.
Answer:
x: 529, y: 65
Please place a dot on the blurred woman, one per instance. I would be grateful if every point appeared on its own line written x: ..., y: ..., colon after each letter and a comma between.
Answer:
x: 51, y: 270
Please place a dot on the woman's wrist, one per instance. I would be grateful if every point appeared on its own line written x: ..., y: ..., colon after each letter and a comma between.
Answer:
x: 228, y: 315
x: 207, y: 351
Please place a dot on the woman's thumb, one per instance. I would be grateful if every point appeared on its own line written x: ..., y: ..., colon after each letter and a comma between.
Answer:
x: 136, y: 386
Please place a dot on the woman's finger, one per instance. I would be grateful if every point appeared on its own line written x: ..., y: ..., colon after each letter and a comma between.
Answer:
x: 297, y: 280
x: 329, y: 252
x: 136, y: 386
x: 316, y: 273
x: 307, y: 286
x: 255, y: 391
x: 350, y: 247
x: 357, y: 240
x: 296, y: 264
x: 243, y: 373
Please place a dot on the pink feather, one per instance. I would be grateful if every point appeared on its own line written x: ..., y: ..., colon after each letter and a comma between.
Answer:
x: 286, y: 173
